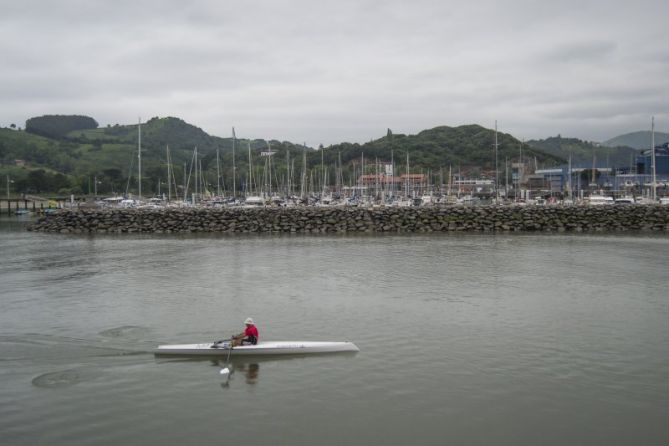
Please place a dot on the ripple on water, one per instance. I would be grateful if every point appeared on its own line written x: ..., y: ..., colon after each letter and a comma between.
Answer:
x: 125, y: 331
x: 60, y: 379
x: 66, y: 378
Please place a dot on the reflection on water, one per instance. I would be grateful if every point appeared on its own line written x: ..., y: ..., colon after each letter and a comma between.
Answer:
x: 249, y: 370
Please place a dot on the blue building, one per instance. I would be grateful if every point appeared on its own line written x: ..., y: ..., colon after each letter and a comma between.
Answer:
x: 579, y: 180
x: 644, y: 161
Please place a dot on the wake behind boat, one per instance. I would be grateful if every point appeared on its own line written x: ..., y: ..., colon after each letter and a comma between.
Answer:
x: 261, y: 348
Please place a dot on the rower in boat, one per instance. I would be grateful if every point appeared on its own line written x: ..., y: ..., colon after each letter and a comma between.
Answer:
x: 249, y: 336
x: 261, y: 348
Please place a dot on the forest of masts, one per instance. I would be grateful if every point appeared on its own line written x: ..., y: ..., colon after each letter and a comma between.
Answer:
x: 244, y: 172
x: 273, y: 175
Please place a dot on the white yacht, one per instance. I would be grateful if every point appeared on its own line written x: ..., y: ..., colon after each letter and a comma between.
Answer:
x: 254, y: 202
x: 599, y: 200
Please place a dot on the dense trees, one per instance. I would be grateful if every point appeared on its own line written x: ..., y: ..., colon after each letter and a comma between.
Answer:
x: 468, y: 146
x: 58, y: 126
x: 39, y: 181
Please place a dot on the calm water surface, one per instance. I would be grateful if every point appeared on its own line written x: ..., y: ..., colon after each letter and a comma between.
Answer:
x: 465, y: 339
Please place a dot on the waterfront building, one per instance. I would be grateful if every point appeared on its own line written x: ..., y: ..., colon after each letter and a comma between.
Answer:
x: 474, y: 186
x: 644, y: 162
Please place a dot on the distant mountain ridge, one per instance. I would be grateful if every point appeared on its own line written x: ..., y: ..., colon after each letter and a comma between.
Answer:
x: 582, y: 152
x: 637, y: 140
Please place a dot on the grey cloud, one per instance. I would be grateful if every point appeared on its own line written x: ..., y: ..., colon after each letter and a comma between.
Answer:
x: 589, y: 52
x: 326, y: 72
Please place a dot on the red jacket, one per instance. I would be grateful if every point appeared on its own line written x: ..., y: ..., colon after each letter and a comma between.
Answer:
x: 251, y: 330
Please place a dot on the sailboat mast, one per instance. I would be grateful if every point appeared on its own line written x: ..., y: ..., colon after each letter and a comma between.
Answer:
x: 323, y: 170
x: 450, y: 178
x: 521, y: 167
x: 340, y: 175
x: 218, y: 176
x: 248, y: 182
x: 569, y: 186
x: 408, y: 175
x: 303, y: 182
x: 496, y: 168
x: 202, y: 184
x: 362, y: 171
x: 652, y: 156
x: 376, y: 180
x: 139, y: 157
x: 195, y: 163
x: 459, y: 181
x: 234, y: 169
x: 169, y: 178
x: 592, y: 180
x: 506, y: 177
x: 269, y: 164
x: 441, y: 180
x: 392, y: 167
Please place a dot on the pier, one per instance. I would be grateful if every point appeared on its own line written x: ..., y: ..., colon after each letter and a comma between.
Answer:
x: 36, y: 205
x: 359, y: 220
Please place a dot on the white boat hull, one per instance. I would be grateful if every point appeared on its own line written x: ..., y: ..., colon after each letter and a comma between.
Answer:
x: 262, y: 348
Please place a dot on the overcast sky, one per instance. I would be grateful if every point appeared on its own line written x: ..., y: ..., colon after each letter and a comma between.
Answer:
x: 346, y: 70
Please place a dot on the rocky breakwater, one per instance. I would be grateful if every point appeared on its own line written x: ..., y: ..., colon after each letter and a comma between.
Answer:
x: 387, y: 219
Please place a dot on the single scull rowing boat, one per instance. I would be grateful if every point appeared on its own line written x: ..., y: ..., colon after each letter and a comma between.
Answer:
x: 262, y: 348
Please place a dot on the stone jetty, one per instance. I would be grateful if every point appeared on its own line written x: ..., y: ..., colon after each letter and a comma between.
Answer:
x: 356, y: 220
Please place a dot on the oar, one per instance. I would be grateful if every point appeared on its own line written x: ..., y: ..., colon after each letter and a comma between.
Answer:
x: 225, y: 371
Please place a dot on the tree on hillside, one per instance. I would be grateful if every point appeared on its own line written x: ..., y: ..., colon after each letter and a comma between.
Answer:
x: 113, y: 174
x: 40, y: 181
x: 58, y: 126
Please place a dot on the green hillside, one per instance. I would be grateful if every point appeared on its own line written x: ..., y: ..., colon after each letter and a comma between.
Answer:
x: 110, y: 156
x: 69, y: 164
x: 468, y: 147
x: 637, y: 140
x: 156, y: 133
x: 582, y: 151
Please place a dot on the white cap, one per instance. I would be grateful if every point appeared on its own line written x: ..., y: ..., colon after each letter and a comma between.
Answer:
x: 248, y: 321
